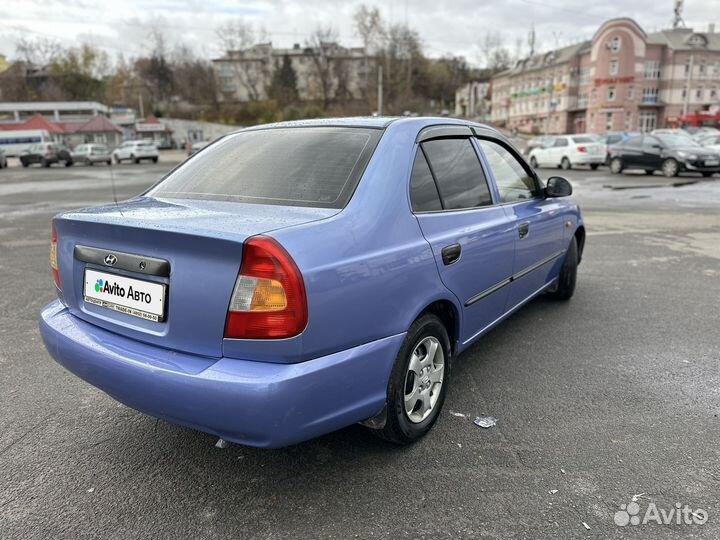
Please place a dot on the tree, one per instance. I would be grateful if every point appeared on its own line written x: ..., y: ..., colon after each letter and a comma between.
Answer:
x: 38, y: 52
x: 283, y: 85
x: 494, y: 53
x: 80, y: 73
x: 370, y: 27
x: 235, y: 38
x: 322, y: 45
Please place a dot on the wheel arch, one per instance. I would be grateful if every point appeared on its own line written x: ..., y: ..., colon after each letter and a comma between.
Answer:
x: 448, y: 313
x: 580, y: 238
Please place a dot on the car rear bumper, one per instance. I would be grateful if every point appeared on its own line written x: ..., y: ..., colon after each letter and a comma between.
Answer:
x: 589, y: 159
x: 254, y: 403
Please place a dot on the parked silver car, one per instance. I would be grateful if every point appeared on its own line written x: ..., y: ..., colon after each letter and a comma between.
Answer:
x: 89, y: 154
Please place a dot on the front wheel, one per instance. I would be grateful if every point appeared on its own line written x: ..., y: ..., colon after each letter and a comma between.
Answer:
x: 616, y: 165
x: 533, y: 162
x: 568, y: 274
x: 670, y: 167
x: 565, y: 164
x: 418, y: 382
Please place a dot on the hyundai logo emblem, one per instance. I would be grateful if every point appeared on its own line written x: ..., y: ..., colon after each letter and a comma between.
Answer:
x: 110, y: 259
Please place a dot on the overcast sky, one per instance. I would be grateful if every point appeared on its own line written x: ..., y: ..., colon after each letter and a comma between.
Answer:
x: 445, y: 26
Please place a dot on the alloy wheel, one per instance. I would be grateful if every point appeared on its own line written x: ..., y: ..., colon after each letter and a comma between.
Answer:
x: 424, y: 379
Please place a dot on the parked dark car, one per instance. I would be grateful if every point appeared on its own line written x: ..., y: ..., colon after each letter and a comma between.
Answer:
x: 668, y: 153
x: 614, y: 138
x: 46, y: 154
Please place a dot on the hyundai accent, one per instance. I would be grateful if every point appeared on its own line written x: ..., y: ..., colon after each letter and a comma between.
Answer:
x: 296, y: 278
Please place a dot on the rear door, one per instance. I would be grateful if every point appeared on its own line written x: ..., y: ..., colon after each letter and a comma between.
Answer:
x: 537, y: 221
x: 631, y: 152
x: 472, y: 239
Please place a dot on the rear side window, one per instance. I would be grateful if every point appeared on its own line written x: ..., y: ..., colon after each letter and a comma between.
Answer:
x: 460, y: 179
x: 424, y: 196
x: 514, y: 182
x: 583, y: 140
x: 561, y: 141
x: 313, y: 166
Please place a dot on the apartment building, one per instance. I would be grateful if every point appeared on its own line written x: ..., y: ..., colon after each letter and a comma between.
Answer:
x: 245, y: 75
x: 623, y: 79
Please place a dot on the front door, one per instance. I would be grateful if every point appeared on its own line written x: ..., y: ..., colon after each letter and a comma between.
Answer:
x: 650, y: 157
x: 537, y: 221
x: 472, y: 240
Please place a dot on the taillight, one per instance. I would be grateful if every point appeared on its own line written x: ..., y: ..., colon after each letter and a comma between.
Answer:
x: 580, y: 148
x: 54, y: 258
x: 269, y: 300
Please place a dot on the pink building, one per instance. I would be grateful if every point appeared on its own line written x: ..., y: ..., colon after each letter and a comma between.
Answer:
x: 622, y: 80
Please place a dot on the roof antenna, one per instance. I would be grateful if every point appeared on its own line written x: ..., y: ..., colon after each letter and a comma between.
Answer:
x: 112, y: 185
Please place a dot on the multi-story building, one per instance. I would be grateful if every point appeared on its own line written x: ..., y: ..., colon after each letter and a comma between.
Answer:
x: 471, y: 101
x: 623, y: 79
x: 337, y: 71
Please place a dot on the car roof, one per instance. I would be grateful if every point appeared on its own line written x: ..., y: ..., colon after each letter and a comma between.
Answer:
x: 374, y: 122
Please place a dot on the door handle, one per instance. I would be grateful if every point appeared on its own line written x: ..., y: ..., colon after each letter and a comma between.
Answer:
x: 451, y: 254
x: 523, y: 229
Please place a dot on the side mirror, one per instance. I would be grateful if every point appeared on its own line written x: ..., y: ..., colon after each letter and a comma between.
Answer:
x: 557, y: 186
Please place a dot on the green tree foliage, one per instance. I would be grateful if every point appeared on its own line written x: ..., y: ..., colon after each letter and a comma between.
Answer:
x: 283, y: 85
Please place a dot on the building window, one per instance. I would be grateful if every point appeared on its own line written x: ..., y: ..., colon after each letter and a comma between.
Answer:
x: 609, y: 121
x: 649, y: 96
x: 585, y: 75
x: 647, y: 121
x: 630, y: 91
x: 684, y: 92
x: 593, y: 95
x: 652, y: 70
x: 713, y: 92
x: 687, y: 67
x: 614, y: 44
x: 701, y: 69
x: 613, y: 68
x: 699, y: 92
x: 628, y: 121
x: 611, y: 93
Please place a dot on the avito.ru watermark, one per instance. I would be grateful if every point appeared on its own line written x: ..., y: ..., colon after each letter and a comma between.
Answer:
x: 678, y: 514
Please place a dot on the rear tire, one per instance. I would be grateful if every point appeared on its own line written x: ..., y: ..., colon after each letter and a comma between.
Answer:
x: 594, y: 166
x: 418, y: 382
x: 565, y: 164
x: 670, y: 168
x: 154, y: 160
x: 707, y: 174
x: 568, y: 274
x: 616, y: 165
x: 109, y: 162
x: 533, y: 162
x: 24, y: 163
x: 649, y: 172
x: 46, y: 163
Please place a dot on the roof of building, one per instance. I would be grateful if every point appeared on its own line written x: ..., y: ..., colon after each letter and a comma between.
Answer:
x: 38, y: 121
x: 46, y: 106
x: 97, y: 124
x: 685, y: 39
x: 546, y: 59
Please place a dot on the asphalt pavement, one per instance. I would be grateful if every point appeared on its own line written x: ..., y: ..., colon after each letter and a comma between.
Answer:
x: 609, y: 399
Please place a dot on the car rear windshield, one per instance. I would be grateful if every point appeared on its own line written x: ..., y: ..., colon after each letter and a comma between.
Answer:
x: 583, y: 140
x: 301, y: 166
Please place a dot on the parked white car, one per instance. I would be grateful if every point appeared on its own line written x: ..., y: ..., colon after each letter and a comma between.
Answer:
x: 89, y: 154
x: 567, y: 151
x: 136, y: 151
x: 711, y: 141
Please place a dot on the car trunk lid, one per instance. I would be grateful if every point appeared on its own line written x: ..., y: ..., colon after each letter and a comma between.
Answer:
x: 191, y: 249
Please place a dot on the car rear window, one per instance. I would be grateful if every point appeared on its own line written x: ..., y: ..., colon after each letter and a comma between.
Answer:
x: 303, y: 166
x: 583, y: 140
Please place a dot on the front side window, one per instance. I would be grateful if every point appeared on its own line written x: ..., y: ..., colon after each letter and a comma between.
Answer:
x: 513, y: 181
x: 459, y: 176
x: 313, y: 166
x: 424, y: 196
x: 560, y: 141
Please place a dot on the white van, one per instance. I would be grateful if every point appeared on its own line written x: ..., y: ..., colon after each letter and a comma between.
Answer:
x: 15, y: 143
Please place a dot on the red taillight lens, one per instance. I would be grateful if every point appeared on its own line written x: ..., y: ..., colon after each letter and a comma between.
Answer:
x: 580, y: 148
x: 54, y: 258
x: 269, y: 300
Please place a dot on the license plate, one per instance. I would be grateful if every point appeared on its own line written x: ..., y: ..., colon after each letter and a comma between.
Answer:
x: 712, y: 162
x: 143, y: 299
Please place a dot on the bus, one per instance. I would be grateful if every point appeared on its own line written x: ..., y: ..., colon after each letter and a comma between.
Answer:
x: 14, y: 142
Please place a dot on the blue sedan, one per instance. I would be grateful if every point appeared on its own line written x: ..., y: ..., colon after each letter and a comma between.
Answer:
x: 293, y: 279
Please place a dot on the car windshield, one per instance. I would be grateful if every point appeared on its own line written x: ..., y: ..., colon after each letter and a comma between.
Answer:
x: 673, y: 140
x: 313, y: 166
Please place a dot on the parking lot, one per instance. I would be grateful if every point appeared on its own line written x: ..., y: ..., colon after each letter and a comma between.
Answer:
x: 605, y: 400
